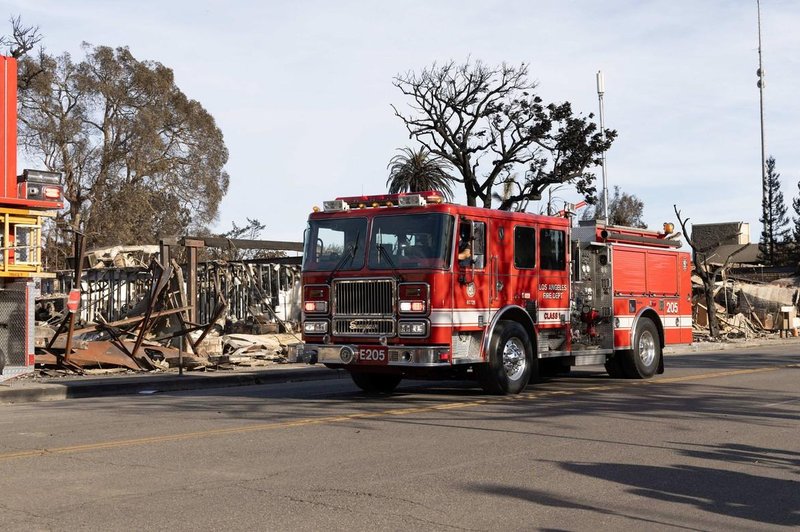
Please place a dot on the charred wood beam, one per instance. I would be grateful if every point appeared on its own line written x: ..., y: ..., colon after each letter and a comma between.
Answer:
x: 221, y: 307
x: 137, y: 319
x: 117, y: 341
x: 80, y: 252
x: 287, y: 261
x: 153, y: 300
x: 240, y: 243
x: 65, y: 364
x: 61, y: 328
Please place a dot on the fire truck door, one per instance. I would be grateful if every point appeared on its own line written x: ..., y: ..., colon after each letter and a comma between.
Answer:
x: 471, y: 287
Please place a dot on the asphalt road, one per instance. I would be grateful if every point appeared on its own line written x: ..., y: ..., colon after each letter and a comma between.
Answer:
x: 713, y: 444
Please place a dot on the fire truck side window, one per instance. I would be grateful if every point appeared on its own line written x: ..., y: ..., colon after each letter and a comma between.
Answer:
x: 524, y: 247
x: 553, y: 250
x: 472, y: 240
x: 479, y: 244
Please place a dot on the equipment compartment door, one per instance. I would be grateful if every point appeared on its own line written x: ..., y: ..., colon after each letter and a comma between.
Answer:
x: 553, y: 314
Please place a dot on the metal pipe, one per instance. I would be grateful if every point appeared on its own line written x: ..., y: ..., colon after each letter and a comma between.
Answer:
x: 600, y: 91
x: 80, y: 250
x: 760, y: 74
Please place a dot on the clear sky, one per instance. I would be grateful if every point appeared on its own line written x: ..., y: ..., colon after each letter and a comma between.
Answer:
x: 302, y: 89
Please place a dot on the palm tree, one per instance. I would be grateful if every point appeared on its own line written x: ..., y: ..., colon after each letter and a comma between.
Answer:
x: 417, y: 171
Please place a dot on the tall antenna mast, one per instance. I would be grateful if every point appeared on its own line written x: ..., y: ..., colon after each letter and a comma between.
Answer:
x: 600, y: 90
x: 760, y: 74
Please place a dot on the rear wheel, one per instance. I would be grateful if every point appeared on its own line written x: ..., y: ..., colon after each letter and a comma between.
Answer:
x: 375, y: 383
x: 510, y: 363
x: 643, y: 360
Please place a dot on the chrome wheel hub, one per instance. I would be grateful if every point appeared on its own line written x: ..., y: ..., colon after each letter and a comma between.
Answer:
x: 647, y: 348
x: 514, y: 361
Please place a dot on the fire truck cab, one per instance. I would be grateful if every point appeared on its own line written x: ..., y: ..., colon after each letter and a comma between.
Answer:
x: 408, y: 286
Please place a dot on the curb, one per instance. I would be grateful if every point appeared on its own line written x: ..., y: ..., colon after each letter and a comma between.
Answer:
x: 702, y: 347
x: 30, y: 392
x: 27, y: 392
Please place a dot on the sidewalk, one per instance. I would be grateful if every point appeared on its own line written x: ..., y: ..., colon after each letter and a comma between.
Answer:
x: 31, y: 389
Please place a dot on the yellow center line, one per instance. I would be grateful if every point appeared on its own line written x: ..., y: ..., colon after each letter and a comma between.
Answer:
x: 460, y: 405
x: 718, y: 374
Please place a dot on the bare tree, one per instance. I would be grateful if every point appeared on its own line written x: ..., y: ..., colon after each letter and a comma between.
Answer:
x: 708, y: 272
x: 491, y: 126
x: 18, y: 44
x: 250, y: 231
x: 139, y: 159
x: 22, y: 40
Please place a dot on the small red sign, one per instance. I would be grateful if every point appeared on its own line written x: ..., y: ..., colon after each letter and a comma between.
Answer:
x: 74, y: 300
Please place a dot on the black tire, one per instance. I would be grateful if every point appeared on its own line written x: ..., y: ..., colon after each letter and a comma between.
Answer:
x: 511, y: 364
x: 644, y: 358
x: 376, y: 383
x: 615, y: 367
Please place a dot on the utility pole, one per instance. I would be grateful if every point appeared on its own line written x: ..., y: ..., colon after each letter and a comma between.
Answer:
x: 760, y: 73
x: 600, y: 90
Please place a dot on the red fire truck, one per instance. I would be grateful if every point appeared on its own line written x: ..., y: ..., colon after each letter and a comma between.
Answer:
x: 389, y: 292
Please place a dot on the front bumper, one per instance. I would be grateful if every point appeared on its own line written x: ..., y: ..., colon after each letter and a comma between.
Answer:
x: 398, y: 355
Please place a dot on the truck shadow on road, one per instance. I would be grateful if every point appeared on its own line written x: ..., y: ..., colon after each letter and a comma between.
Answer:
x: 735, y: 494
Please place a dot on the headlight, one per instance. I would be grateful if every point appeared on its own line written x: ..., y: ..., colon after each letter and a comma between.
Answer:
x: 412, y: 306
x: 413, y: 298
x: 315, y: 327
x: 413, y: 328
x: 316, y: 306
x: 315, y: 298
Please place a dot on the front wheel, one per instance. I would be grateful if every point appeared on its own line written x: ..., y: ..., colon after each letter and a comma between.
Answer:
x: 643, y: 360
x: 510, y: 361
x: 376, y: 383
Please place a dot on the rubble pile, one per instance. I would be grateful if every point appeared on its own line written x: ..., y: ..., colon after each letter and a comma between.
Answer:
x: 156, y: 335
x: 747, y: 309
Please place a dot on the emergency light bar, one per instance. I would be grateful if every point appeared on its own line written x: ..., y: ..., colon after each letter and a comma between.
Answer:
x: 416, y: 199
x: 336, y: 205
x: 412, y: 200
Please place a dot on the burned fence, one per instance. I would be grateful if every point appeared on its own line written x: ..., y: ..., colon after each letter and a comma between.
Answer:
x: 255, y: 291
x: 259, y: 289
x: 111, y: 293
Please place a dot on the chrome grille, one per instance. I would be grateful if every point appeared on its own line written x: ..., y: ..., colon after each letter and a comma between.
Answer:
x: 364, y: 307
x: 364, y: 297
x: 363, y: 327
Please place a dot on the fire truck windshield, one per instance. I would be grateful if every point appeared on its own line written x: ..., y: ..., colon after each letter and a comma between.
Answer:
x: 411, y: 241
x: 334, y: 244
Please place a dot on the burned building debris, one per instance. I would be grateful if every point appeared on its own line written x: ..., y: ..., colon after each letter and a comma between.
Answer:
x: 200, y: 315
x: 751, y: 299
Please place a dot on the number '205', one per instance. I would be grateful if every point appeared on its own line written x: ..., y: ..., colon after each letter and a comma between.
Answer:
x: 371, y: 354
